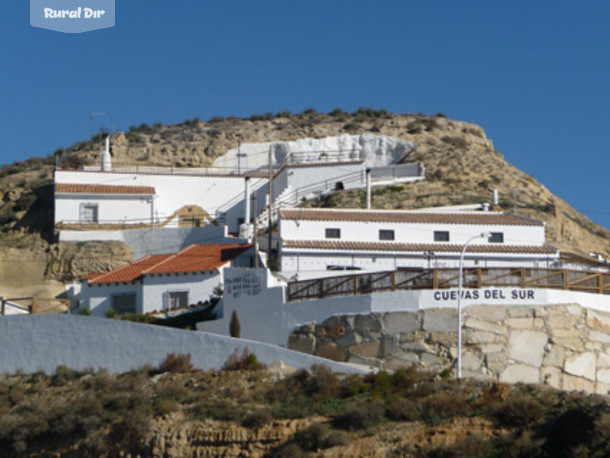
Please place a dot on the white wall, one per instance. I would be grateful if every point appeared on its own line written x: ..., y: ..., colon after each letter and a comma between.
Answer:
x: 212, y: 193
x: 199, y: 286
x: 262, y: 312
x: 43, y: 342
x: 294, y: 260
x: 361, y: 231
x: 151, y: 294
x: 98, y: 298
x: 112, y: 209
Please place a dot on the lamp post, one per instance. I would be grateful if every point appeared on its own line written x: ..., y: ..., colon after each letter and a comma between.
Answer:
x: 459, y: 299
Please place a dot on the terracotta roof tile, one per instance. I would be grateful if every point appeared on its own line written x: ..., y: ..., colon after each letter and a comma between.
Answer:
x: 194, y: 258
x: 74, y: 188
x: 130, y: 272
x: 415, y: 247
x: 491, y: 218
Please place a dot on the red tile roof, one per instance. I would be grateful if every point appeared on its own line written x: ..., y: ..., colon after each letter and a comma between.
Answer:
x: 74, y: 188
x: 416, y: 247
x: 491, y: 218
x: 194, y: 258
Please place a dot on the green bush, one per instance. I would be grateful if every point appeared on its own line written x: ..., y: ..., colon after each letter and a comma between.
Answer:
x: 234, y: 326
x: 246, y: 361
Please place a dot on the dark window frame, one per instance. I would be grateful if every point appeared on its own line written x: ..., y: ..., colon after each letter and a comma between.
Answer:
x: 387, y: 234
x: 332, y: 233
x: 496, y: 237
x: 442, y: 236
x: 123, y: 311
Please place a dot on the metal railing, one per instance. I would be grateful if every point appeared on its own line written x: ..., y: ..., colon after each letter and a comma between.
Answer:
x: 19, y: 308
x: 414, y: 279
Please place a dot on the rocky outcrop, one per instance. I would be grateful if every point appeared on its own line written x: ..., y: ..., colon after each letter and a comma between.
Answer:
x: 567, y: 347
x: 173, y: 436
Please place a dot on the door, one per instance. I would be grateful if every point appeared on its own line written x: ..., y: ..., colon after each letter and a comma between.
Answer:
x: 88, y: 213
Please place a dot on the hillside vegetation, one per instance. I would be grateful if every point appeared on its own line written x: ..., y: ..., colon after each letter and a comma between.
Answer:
x: 247, y: 410
x: 462, y: 166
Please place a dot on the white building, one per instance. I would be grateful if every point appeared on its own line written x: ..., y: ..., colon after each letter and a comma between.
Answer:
x: 106, y: 197
x: 104, y: 204
x: 324, y: 239
x: 163, y: 282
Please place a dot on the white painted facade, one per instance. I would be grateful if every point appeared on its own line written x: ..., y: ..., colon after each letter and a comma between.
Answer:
x: 221, y: 196
x: 363, y: 231
x: 110, y: 209
x: 152, y: 292
x: 306, y: 245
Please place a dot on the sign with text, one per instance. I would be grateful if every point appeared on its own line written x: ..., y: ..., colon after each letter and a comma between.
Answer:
x: 486, y: 294
x: 243, y: 284
x: 72, y: 16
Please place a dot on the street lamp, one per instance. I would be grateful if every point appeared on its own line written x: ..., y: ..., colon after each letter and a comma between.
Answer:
x: 459, y: 299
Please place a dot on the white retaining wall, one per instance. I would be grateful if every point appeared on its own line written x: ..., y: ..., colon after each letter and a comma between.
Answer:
x: 156, y: 240
x: 43, y: 342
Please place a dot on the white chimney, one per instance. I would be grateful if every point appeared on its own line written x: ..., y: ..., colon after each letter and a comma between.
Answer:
x: 496, y: 199
x: 106, y: 158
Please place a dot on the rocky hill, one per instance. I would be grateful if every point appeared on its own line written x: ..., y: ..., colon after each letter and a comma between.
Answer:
x: 461, y: 163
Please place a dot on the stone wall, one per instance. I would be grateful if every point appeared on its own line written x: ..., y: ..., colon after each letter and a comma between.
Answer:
x: 565, y: 346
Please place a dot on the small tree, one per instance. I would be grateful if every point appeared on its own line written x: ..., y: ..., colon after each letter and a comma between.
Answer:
x: 234, y: 326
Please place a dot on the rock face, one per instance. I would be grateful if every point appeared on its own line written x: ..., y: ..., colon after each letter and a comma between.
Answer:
x: 376, y: 150
x: 172, y: 436
x: 567, y: 347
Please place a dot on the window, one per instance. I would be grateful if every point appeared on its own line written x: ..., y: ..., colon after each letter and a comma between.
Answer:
x: 88, y: 213
x: 386, y: 234
x: 496, y: 237
x: 441, y: 236
x: 333, y: 233
x: 190, y: 221
x: 177, y: 299
x: 124, y: 303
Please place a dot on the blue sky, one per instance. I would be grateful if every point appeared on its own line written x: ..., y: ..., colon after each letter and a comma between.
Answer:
x: 534, y: 75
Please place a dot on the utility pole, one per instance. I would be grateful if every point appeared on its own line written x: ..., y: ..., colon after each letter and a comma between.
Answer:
x: 255, y: 231
x: 239, y: 158
x: 91, y: 115
x: 270, y: 201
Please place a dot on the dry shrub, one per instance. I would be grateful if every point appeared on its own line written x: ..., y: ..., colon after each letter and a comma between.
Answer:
x: 288, y: 450
x: 439, y: 406
x: 322, y: 383
x: 470, y: 446
x: 401, y: 409
x: 176, y: 363
x: 256, y: 419
x: 360, y: 416
x: 319, y: 436
x: 518, y: 411
x: 245, y: 362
